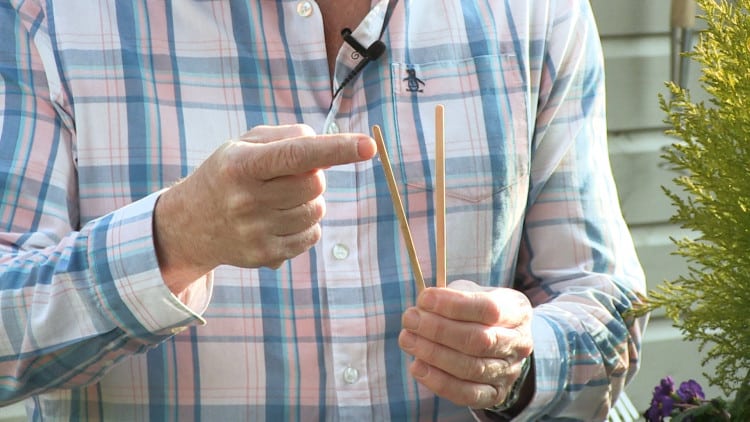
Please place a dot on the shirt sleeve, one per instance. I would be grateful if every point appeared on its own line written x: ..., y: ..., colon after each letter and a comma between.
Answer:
x: 74, y: 298
x: 577, y: 263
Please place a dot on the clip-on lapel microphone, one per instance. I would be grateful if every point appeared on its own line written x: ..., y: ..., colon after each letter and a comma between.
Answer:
x: 373, y: 52
x: 370, y: 53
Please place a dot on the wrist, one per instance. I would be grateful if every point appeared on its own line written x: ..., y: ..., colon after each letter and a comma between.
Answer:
x: 179, y: 267
x: 520, y: 394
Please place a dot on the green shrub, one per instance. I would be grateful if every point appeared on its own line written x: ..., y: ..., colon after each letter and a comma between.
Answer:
x: 711, y: 304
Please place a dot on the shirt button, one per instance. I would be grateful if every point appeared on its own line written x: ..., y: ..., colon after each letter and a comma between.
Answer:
x: 340, y: 251
x: 332, y: 128
x: 351, y: 375
x: 304, y: 8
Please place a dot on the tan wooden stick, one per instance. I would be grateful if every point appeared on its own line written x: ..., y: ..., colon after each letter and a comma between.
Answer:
x: 399, y: 208
x: 441, y: 258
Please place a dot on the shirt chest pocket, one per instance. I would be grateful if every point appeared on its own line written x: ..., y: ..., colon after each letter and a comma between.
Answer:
x: 486, y: 125
x: 487, y: 158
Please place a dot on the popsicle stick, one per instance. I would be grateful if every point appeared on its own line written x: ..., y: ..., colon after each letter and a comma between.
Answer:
x: 441, y: 258
x: 399, y: 208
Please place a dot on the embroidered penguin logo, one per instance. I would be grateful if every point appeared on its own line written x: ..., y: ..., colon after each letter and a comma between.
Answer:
x: 413, y: 82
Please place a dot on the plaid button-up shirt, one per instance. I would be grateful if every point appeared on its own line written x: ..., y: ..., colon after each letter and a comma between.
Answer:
x: 105, y: 103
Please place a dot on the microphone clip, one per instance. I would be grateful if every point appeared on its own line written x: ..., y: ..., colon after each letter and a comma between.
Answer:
x: 372, y: 52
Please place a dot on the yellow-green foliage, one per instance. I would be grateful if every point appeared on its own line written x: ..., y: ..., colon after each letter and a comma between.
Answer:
x: 711, y: 304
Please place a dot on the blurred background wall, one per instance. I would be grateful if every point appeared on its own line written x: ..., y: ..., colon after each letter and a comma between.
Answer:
x: 636, y: 39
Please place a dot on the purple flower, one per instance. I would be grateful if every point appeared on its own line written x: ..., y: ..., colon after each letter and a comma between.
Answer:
x: 665, y: 387
x: 691, y: 392
x: 661, y: 406
x: 662, y: 402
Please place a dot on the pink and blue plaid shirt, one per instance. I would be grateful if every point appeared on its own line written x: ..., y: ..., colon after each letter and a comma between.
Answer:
x: 103, y: 104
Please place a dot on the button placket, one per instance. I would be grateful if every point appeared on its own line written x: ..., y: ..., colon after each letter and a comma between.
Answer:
x: 342, y: 276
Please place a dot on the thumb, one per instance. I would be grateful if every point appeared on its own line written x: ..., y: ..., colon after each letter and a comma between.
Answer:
x: 468, y: 286
x: 506, y: 306
x: 264, y: 134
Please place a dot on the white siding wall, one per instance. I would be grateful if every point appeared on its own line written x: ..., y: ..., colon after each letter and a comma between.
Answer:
x: 635, y: 37
x: 12, y: 413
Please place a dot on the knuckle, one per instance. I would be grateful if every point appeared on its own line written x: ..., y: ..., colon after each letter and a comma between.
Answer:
x: 315, y: 235
x: 301, y: 242
x: 301, y: 129
x: 430, y: 351
x: 477, y: 397
x: 442, y: 389
x: 266, y: 255
x: 500, y: 393
x: 488, y: 310
x: 477, y: 369
x: 318, y: 183
x: 317, y: 209
x: 525, y: 348
x: 241, y: 203
x: 487, y: 370
x: 482, y: 341
x: 436, y: 328
x: 233, y: 166
x: 522, y: 343
x: 432, y: 330
x: 291, y: 155
x: 239, y: 161
x: 493, y: 369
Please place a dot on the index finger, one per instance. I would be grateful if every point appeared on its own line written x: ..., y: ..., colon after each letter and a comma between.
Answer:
x: 303, y: 154
x: 499, y: 307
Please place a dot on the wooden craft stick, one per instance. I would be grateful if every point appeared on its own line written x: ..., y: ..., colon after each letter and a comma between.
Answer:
x: 399, y: 208
x: 441, y: 258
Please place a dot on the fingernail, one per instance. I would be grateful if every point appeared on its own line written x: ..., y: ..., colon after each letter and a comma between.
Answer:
x: 411, y: 319
x: 408, y: 340
x: 366, y: 148
x: 419, y: 369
